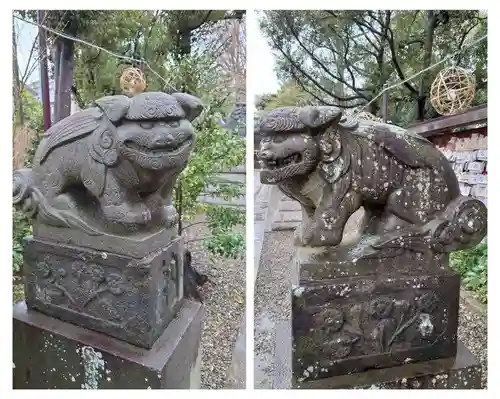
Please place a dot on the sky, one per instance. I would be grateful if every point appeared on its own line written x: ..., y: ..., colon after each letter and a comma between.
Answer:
x: 26, y: 35
x: 260, y: 58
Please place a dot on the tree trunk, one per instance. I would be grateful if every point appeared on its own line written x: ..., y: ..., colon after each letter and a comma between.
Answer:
x: 428, y: 43
x: 184, y: 40
x: 18, y: 99
x: 56, y: 56
x: 64, y: 78
x: 44, y: 74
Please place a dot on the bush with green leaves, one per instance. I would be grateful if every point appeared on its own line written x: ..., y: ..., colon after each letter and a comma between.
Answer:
x: 21, y: 224
x: 216, y: 149
x: 472, y: 265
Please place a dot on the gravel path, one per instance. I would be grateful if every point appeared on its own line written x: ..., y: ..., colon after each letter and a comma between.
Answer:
x: 224, y: 300
x: 473, y: 332
x: 270, y: 308
x: 271, y: 304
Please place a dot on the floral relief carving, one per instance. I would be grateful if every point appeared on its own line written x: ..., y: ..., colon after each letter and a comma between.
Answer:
x: 51, y: 278
x: 88, y: 282
x: 378, y: 324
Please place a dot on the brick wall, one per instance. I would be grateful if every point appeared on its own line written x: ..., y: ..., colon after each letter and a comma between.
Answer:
x: 468, y: 154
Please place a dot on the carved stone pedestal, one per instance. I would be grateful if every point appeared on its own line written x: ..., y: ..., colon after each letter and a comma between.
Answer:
x: 384, y: 320
x: 462, y: 371
x: 350, y: 314
x: 128, y: 298
x: 53, y: 354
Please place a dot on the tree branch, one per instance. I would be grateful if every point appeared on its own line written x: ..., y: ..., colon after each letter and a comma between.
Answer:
x: 462, y: 40
x: 316, y: 60
x: 395, y: 63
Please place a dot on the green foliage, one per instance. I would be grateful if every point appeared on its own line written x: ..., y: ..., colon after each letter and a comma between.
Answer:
x: 226, y: 243
x: 216, y: 150
x: 21, y: 225
x: 21, y: 228
x: 290, y: 94
x: 224, y: 218
x: 32, y: 110
x: 472, y: 265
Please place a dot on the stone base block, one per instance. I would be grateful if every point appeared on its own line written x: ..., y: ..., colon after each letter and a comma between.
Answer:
x: 127, y: 298
x: 350, y: 315
x: 52, y: 354
x: 460, y: 372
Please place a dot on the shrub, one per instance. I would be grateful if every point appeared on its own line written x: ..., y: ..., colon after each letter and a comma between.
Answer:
x: 472, y: 265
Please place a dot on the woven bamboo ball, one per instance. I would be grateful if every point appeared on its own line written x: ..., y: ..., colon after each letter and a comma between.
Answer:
x: 453, y: 90
x: 132, y: 81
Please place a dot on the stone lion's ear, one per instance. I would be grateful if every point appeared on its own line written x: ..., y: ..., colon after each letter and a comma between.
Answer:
x: 191, y: 105
x: 115, y: 107
x: 320, y: 116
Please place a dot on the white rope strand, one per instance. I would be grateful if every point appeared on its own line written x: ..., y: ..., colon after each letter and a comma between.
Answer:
x: 123, y: 57
x: 422, y: 71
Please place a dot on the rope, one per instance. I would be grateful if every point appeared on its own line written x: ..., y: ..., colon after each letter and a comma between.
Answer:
x: 422, y: 71
x: 74, y: 39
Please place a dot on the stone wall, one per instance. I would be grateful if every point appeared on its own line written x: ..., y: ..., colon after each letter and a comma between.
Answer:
x: 468, y: 154
x: 236, y: 176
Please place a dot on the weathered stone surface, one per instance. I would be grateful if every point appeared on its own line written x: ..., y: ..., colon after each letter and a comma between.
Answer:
x: 52, y: 354
x: 350, y: 315
x: 333, y: 165
x: 111, y: 169
x: 127, y: 298
x: 135, y: 246
x: 462, y: 371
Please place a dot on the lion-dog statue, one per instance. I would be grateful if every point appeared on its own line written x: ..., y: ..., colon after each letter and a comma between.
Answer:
x: 333, y: 165
x: 113, y: 164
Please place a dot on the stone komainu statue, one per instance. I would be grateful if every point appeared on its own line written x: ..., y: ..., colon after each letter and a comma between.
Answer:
x: 333, y: 165
x: 111, y: 167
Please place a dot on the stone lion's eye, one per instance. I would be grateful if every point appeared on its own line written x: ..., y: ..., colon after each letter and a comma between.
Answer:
x: 146, y: 125
x: 279, y: 139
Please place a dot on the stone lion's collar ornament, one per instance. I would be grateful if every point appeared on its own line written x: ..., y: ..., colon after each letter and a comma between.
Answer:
x: 386, y: 297
x: 333, y: 165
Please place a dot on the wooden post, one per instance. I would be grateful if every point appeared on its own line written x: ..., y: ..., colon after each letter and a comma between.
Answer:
x: 44, y: 74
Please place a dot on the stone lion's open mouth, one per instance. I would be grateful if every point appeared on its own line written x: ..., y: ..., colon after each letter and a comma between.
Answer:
x: 170, y: 149
x: 284, y: 162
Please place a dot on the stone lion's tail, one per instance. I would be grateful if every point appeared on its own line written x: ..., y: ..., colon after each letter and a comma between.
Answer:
x: 23, y: 195
x: 462, y: 225
x: 26, y: 196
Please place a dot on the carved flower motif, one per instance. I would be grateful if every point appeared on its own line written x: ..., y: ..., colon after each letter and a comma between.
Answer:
x: 44, y: 269
x: 88, y: 271
x: 340, y: 346
x: 331, y: 319
x: 427, y: 303
x: 60, y: 273
x: 381, y: 308
x: 115, y: 283
x: 49, y: 274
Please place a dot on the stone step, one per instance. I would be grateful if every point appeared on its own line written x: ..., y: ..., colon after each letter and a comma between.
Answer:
x: 237, y: 178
